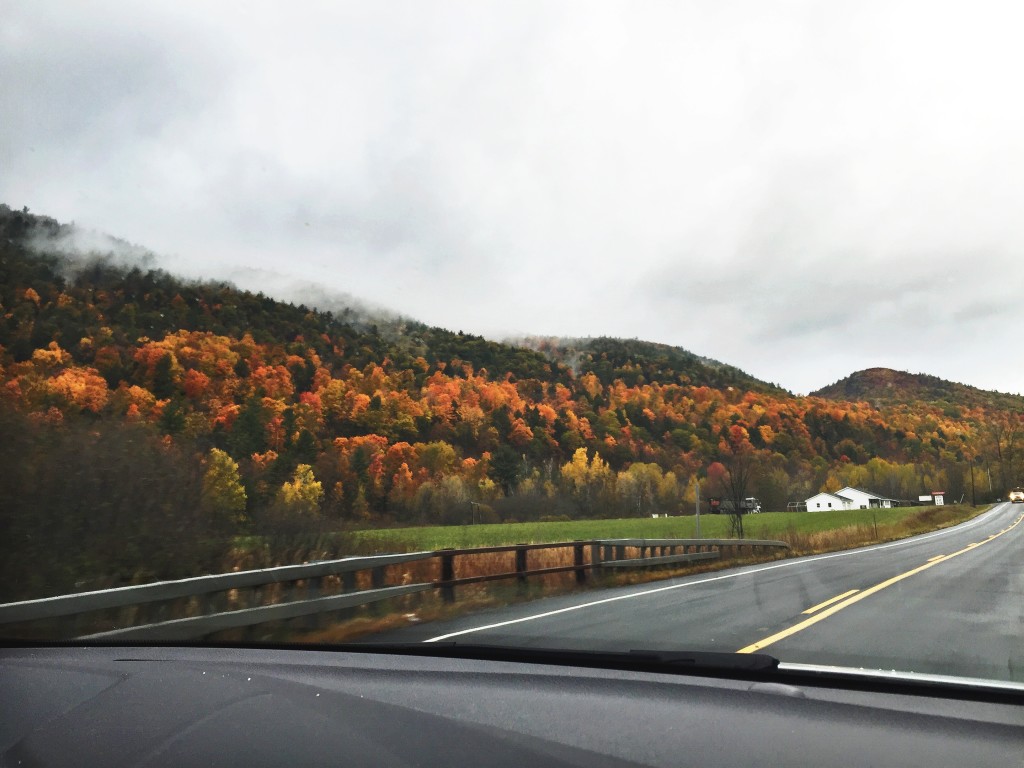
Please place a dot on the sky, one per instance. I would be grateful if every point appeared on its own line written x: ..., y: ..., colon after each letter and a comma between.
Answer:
x: 799, y: 189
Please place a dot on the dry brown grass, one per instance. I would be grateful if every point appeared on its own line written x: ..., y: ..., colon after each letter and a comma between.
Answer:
x: 850, y: 537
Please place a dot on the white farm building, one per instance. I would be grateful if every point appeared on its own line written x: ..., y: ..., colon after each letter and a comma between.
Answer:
x: 848, y: 498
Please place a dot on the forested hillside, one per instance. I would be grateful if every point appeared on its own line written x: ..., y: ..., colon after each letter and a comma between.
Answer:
x: 636, y: 362
x: 889, y: 387
x: 138, y: 402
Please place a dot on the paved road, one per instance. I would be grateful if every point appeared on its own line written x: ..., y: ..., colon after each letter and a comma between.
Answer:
x: 949, y: 602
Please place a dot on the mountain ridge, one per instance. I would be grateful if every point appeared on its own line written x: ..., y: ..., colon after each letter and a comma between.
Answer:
x: 606, y: 357
x: 890, y: 386
x: 635, y: 360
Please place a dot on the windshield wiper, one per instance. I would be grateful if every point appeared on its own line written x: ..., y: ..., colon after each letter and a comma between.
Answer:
x: 671, y: 662
x: 709, y: 663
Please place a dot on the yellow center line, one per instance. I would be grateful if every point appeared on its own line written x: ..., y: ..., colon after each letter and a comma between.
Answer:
x: 937, y: 557
x: 835, y: 599
x: 753, y: 647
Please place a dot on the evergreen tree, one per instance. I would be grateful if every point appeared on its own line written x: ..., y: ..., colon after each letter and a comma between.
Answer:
x: 506, y: 469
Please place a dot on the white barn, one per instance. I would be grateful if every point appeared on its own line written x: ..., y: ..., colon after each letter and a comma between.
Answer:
x: 823, y: 502
x: 848, y: 498
x: 866, y: 500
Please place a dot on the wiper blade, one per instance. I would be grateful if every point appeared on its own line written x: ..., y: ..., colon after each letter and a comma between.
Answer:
x: 672, y: 662
x: 708, y: 663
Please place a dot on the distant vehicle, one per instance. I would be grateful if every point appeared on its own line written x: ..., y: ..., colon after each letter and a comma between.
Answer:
x: 749, y: 505
x: 1017, y: 495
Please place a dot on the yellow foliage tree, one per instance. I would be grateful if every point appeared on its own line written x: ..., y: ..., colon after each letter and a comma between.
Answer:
x: 587, y: 479
x: 223, y: 495
x: 302, y: 495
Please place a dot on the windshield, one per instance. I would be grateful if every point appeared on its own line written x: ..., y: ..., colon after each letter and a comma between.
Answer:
x: 585, y: 326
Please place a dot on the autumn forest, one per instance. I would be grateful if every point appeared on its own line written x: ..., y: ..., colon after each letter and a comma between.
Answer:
x: 154, y: 418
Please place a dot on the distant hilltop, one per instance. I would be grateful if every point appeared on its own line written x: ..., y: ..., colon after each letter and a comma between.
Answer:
x: 636, y: 362
x: 885, y: 386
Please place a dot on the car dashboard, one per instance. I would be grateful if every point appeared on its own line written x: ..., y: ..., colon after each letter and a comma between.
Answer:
x: 174, y: 706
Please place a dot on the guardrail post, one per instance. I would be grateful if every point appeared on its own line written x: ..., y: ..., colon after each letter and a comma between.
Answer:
x: 595, y: 555
x: 348, y: 584
x: 203, y: 604
x: 577, y: 560
x: 377, y: 577
x: 312, y: 593
x: 521, y: 564
x: 447, y: 575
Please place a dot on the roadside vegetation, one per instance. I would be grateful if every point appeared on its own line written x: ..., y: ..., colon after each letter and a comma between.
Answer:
x: 805, y: 532
x: 783, y: 526
x: 876, y: 529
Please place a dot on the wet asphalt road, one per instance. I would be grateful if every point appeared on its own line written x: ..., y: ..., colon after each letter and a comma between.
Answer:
x: 948, y: 602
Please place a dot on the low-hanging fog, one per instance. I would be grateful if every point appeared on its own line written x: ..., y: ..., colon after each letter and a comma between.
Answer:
x: 799, y: 189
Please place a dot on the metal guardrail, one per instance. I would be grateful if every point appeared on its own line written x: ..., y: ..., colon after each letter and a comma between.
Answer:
x: 213, y: 617
x: 692, y: 557
x: 83, y: 602
x: 187, y: 628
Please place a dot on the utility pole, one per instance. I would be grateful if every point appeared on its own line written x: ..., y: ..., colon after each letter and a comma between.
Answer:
x: 974, y: 499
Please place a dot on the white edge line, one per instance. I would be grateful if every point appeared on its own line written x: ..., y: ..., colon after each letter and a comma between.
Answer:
x: 786, y: 564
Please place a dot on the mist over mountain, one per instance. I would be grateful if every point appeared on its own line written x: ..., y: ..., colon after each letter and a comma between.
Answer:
x: 629, y: 359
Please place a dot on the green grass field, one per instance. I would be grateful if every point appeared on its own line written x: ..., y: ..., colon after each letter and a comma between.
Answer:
x: 767, y: 525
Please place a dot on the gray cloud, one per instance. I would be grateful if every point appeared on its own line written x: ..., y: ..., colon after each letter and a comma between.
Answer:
x: 800, y: 190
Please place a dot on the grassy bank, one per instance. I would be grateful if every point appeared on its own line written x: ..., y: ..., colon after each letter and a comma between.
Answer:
x: 805, y: 532
x: 872, y: 530
x: 793, y: 527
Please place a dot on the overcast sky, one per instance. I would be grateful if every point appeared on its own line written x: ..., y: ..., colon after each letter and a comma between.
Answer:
x: 800, y: 189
